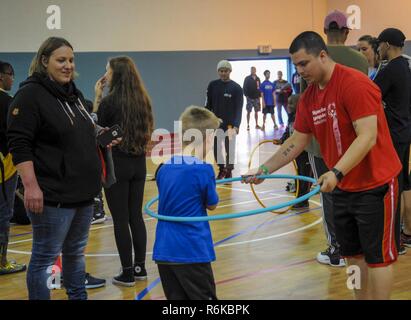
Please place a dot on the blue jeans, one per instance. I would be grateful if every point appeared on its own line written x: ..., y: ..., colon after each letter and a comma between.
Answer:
x: 280, y: 106
x: 7, y: 208
x: 59, y: 230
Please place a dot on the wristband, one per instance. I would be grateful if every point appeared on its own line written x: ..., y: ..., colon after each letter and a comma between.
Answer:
x: 338, y: 174
x: 264, y: 169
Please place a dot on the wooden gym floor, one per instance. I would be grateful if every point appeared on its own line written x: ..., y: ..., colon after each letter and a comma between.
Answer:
x: 266, y: 256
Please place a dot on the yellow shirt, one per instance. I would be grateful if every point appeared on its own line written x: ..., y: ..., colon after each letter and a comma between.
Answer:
x: 9, y: 168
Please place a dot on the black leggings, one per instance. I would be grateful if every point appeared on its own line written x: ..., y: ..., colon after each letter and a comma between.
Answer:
x: 125, y: 200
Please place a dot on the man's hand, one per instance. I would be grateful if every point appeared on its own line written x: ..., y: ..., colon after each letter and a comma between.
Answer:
x: 328, y: 181
x: 250, y: 176
x: 277, y: 142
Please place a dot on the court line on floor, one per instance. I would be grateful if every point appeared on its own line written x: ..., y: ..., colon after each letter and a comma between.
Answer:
x: 255, y: 273
x: 275, y: 196
x: 217, y: 244
x: 148, y: 219
x: 145, y: 291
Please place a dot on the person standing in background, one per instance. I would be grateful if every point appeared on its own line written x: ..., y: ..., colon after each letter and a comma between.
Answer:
x: 267, y: 90
x: 251, y: 88
x: 282, y: 92
x: 225, y: 100
x: 8, y: 178
x: 394, y: 81
x: 129, y: 106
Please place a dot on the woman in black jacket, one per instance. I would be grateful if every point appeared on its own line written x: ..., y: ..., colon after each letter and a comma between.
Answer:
x: 53, y: 142
x: 128, y: 105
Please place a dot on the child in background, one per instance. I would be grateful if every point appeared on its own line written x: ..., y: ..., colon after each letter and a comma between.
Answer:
x: 184, y: 251
x: 267, y: 89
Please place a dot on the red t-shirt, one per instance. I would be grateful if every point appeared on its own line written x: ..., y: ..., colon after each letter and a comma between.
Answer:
x: 328, y: 114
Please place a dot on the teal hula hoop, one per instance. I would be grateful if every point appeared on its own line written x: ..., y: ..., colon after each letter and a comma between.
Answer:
x: 243, y: 213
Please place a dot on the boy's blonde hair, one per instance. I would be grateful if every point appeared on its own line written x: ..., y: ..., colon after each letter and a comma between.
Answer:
x: 198, y: 118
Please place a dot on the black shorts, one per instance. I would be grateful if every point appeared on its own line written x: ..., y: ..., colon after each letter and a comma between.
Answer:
x: 368, y: 223
x: 403, y: 151
x: 268, y: 109
x: 187, y: 281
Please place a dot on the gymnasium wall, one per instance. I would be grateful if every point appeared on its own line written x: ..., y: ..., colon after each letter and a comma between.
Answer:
x: 159, y: 25
x: 176, y: 44
x: 174, y: 80
x: 376, y: 15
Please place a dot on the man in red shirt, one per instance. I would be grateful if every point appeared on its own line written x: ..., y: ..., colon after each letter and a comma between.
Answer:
x: 342, y: 109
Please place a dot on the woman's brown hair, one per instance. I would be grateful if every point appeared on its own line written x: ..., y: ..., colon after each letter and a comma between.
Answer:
x: 127, y: 90
x: 45, y: 51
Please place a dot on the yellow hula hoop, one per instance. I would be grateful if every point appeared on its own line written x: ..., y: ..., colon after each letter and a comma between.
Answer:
x: 297, y: 186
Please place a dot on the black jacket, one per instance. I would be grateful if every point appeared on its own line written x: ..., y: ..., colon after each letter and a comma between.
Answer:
x: 5, y: 100
x: 251, y: 87
x: 395, y: 84
x: 225, y: 99
x: 47, y: 125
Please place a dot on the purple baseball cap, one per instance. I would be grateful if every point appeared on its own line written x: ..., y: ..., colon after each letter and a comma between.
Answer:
x: 340, y: 18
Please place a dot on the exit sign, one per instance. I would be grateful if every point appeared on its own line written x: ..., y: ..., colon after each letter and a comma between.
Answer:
x: 264, y: 49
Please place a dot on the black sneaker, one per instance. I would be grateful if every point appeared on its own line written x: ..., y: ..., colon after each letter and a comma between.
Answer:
x: 402, y: 250
x: 405, y: 239
x: 125, y: 280
x: 228, y: 175
x: 140, y: 272
x: 221, y: 174
x: 99, y: 215
x: 90, y: 282
x: 290, y: 187
x: 94, y: 283
x: 301, y: 205
x: 332, y: 257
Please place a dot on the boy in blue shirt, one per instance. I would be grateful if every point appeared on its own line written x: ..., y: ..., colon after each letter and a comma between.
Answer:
x: 184, y: 251
x: 267, y: 88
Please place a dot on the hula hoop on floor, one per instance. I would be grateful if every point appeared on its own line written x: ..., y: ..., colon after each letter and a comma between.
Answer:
x: 313, y: 192
x: 297, y: 184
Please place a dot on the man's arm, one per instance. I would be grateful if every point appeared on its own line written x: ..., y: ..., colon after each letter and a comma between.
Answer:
x: 366, y: 129
x: 245, y: 84
x: 289, y: 150
x: 239, y: 101
x: 383, y: 80
x: 209, y: 102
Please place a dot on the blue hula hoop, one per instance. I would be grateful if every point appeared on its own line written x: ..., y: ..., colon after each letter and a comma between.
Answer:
x: 243, y: 213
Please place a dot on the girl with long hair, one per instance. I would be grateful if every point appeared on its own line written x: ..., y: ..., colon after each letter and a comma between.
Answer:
x: 128, y: 105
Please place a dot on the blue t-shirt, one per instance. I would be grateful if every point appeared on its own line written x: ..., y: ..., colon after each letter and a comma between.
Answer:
x: 186, y: 185
x: 267, y: 88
